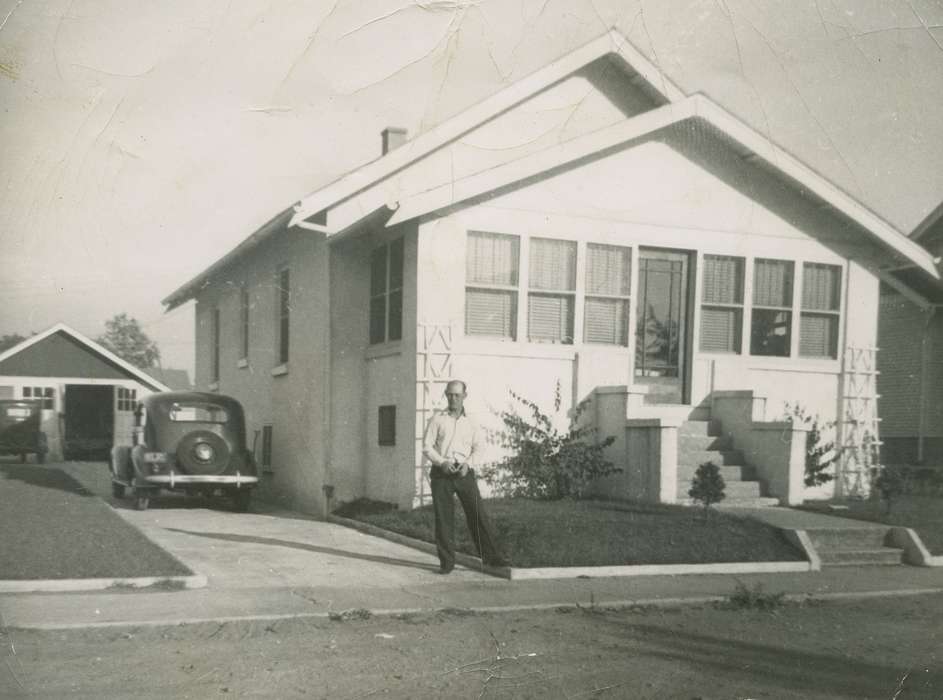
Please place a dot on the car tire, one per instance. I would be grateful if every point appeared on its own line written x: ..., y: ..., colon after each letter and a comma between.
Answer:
x: 117, y: 490
x: 141, y: 501
x: 241, y: 499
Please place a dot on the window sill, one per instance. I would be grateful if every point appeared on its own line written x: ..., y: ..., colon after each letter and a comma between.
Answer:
x: 383, y: 350
x: 280, y: 370
x: 213, y: 386
x: 505, y: 348
x: 242, y: 364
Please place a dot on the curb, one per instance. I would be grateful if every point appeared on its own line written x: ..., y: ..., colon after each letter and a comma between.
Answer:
x: 621, y: 604
x: 470, y: 562
x: 67, y: 585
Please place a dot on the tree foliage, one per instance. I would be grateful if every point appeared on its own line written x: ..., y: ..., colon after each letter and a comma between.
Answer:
x: 545, y: 462
x: 820, y: 454
x: 124, y: 337
x: 708, y: 485
x: 8, y: 341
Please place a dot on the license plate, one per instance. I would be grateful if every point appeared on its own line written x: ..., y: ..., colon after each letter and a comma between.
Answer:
x: 155, y: 457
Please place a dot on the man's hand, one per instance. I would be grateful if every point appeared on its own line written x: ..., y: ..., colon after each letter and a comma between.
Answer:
x: 463, y: 469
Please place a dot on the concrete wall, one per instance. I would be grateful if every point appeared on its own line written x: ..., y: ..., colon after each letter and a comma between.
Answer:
x: 292, y: 398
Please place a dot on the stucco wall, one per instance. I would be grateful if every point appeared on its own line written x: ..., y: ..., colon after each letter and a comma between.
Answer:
x: 292, y: 401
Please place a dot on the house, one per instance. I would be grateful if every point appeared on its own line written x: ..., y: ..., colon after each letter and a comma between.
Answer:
x: 88, y: 392
x: 910, y: 335
x: 650, y: 252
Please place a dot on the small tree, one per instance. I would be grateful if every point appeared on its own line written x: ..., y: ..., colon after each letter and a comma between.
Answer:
x: 125, y: 338
x: 708, y: 485
x: 545, y: 462
x: 820, y: 454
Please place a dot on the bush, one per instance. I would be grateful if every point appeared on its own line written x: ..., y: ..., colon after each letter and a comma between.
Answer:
x: 820, y: 454
x: 890, y: 481
x: 708, y: 485
x: 544, y: 462
x: 745, y: 598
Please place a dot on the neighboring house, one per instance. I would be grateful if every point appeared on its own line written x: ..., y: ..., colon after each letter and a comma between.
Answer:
x: 910, y: 336
x: 647, y: 250
x: 176, y: 379
x: 88, y: 392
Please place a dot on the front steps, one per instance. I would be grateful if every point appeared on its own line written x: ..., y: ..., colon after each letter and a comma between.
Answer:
x: 854, y: 546
x: 698, y: 442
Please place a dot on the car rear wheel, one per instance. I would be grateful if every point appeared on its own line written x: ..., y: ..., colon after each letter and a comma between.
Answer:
x: 241, y: 500
x: 141, y: 501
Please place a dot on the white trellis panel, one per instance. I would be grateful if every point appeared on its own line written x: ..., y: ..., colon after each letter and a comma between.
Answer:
x: 434, y: 367
x: 858, y: 423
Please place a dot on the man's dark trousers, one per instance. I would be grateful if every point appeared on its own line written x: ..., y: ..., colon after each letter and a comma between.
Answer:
x: 443, y: 503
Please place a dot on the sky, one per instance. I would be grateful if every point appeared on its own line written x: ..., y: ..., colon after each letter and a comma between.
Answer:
x: 140, y: 141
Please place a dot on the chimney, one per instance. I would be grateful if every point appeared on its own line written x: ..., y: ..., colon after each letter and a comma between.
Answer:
x: 393, y: 137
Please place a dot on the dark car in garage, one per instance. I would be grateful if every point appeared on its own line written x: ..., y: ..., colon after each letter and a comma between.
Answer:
x: 20, y: 428
x: 191, y: 442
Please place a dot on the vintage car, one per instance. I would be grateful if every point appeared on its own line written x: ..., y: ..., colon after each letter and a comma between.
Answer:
x: 188, y: 441
x: 20, y: 432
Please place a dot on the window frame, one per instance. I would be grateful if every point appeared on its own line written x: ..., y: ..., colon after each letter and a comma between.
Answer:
x: 386, y: 418
x: 570, y: 294
x: 513, y: 289
x: 742, y: 307
x: 791, y: 309
x: 582, y: 287
x: 125, y: 398
x: 215, y: 344
x: 244, y: 310
x: 265, y: 459
x: 282, y: 315
x: 47, y: 394
x: 835, y: 313
x: 388, y: 292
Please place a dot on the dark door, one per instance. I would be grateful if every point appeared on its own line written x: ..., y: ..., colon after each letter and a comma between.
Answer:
x: 89, y: 423
x: 661, y: 348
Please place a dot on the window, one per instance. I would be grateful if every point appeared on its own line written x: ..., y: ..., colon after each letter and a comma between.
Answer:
x: 386, y: 425
x: 214, y: 367
x: 46, y: 393
x: 267, y: 448
x: 198, y: 413
x: 819, y: 318
x: 608, y: 285
x: 386, y: 292
x: 127, y: 398
x: 772, y: 308
x: 491, y: 278
x: 721, y: 303
x: 244, y: 322
x: 552, y: 291
x: 284, y: 312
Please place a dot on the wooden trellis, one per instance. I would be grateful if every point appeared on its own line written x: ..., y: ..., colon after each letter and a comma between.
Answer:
x: 433, y: 371
x: 858, y: 424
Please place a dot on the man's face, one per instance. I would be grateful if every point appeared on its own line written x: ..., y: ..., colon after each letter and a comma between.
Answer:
x: 455, y: 394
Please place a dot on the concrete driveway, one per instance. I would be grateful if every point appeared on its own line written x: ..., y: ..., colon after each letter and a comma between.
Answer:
x: 279, y: 549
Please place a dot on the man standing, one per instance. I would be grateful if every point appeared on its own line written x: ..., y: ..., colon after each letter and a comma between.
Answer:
x: 453, y: 445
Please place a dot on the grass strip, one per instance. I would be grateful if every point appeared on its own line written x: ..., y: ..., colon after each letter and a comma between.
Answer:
x: 600, y: 533
x: 53, y: 528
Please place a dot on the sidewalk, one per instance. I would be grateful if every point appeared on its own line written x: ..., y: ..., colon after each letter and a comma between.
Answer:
x: 276, y: 565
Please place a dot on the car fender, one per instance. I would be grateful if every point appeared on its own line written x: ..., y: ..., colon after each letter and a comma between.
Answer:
x: 120, y: 463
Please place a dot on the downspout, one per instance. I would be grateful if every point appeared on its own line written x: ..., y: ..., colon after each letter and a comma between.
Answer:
x: 924, y: 374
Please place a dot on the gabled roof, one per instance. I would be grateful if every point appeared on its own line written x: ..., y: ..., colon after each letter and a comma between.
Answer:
x: 92, y: 346
x: 931, y: 227
x: 672, y: 107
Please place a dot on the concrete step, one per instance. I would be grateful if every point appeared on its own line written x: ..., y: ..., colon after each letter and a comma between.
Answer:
x: 738, y: 472
x: 761, y: 502
x: 847, y: 537
x: 733, y: 489
x: 693, y: 443
x: 885, y: 556
x: 696, y: 458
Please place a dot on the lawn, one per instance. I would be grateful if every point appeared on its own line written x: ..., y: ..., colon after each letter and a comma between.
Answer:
x: 54, y: 528
x: 601, y: 533
x: 920, y: 512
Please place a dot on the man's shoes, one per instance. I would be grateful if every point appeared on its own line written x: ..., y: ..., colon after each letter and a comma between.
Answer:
x: 446, y: 569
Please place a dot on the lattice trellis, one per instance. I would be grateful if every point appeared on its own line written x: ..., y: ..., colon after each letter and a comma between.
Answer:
x: 858, y: 425
x: 434, y: 367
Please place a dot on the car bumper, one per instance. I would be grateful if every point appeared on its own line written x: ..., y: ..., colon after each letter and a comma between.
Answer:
x: 173, y: 480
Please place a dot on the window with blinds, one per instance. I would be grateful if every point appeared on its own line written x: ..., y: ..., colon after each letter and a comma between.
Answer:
x: 722, y: 303
x: 608, y: 285
x: 215, y: 330
x: 552, y: 291
x: 244, y: 321
x: 386, y: 292
x: 820, y: 314
x: 284, y: 314
x: 771, y: 332
x: 491, y: 285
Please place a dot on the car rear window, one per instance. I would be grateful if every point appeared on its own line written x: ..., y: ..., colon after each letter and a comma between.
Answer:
x: 198, y: 413
x: 17, y: 412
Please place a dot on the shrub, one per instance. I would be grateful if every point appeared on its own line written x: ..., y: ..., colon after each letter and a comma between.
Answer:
x: 545, y: 462
x: 890, y: 482
x: 708, y: 485
x: 820, y: 454
x: 745, y: 598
